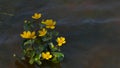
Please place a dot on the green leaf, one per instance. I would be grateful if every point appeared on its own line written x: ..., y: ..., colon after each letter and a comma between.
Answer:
x: 24, y: 52
x: 37, y: 57
x: 41, y: 48
x: 28, y: 42
x: 32, y: 54
x: 41, y: 25
x: 47, y: 39
x: 52, y: 47
x: 31, y: 61
x: 29, y: 48
x: 31, y: 26
x: 39, y: 62
x: 38, y: 41
x: 54, y: 33
x: 57, y: 57
x: 26, y: 26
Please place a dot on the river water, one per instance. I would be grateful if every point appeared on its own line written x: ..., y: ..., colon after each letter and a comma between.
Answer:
x: 92, y: 29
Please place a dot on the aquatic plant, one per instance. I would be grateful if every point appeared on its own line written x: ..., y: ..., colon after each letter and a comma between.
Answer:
x: 41, y: 42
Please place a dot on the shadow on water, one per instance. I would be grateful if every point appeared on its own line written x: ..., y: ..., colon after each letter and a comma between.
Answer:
x: 92, y: 29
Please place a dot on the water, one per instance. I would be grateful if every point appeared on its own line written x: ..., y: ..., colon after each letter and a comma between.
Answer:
x: 90, y: 26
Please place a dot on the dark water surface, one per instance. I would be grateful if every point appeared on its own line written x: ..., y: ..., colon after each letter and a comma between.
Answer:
x: 92, y: 29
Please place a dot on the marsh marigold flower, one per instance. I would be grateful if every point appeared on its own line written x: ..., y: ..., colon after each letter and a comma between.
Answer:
x: 36, y: 16
x: 46, y: 55
x: 61, y: 40
x: 28, y: 35
x: 49, y: 23
x: 42, y: 32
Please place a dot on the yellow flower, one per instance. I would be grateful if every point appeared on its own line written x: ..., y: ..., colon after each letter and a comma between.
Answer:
x: 42, y: 32
x: 61, y: 40
x: 28, y: 35
x: 49, y: 23
x: 36, y: 16
x: 46, y: 55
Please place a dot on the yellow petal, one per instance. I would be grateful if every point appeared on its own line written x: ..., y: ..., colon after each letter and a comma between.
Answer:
x: 43, y: 29
x: 54, y: 23
x: 33, y: 17
x: 24, y: 32
x: 49, y: 20
x: 47, y: 58
x: 28, y: 34
x: 34, y: 37
x: 50, y: 56
x: 58, y: 39
x: 22, y: 35
x: 52, y: 27
x: 33, y: 33
x: 42, y: 32
x: 64, y: 41
x: 47, y: 53
x: 59, y: 44
x: 62, y: 38
x: 43, y: 22
x: 47, y: 26
x: 39, y: 15
x: 43, y: 54
x: 35, y: 14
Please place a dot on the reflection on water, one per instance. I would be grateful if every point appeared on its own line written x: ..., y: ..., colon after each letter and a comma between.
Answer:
x: 92, y: 28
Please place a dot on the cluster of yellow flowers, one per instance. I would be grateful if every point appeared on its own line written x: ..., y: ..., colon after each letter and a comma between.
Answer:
x: 49, y: 24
